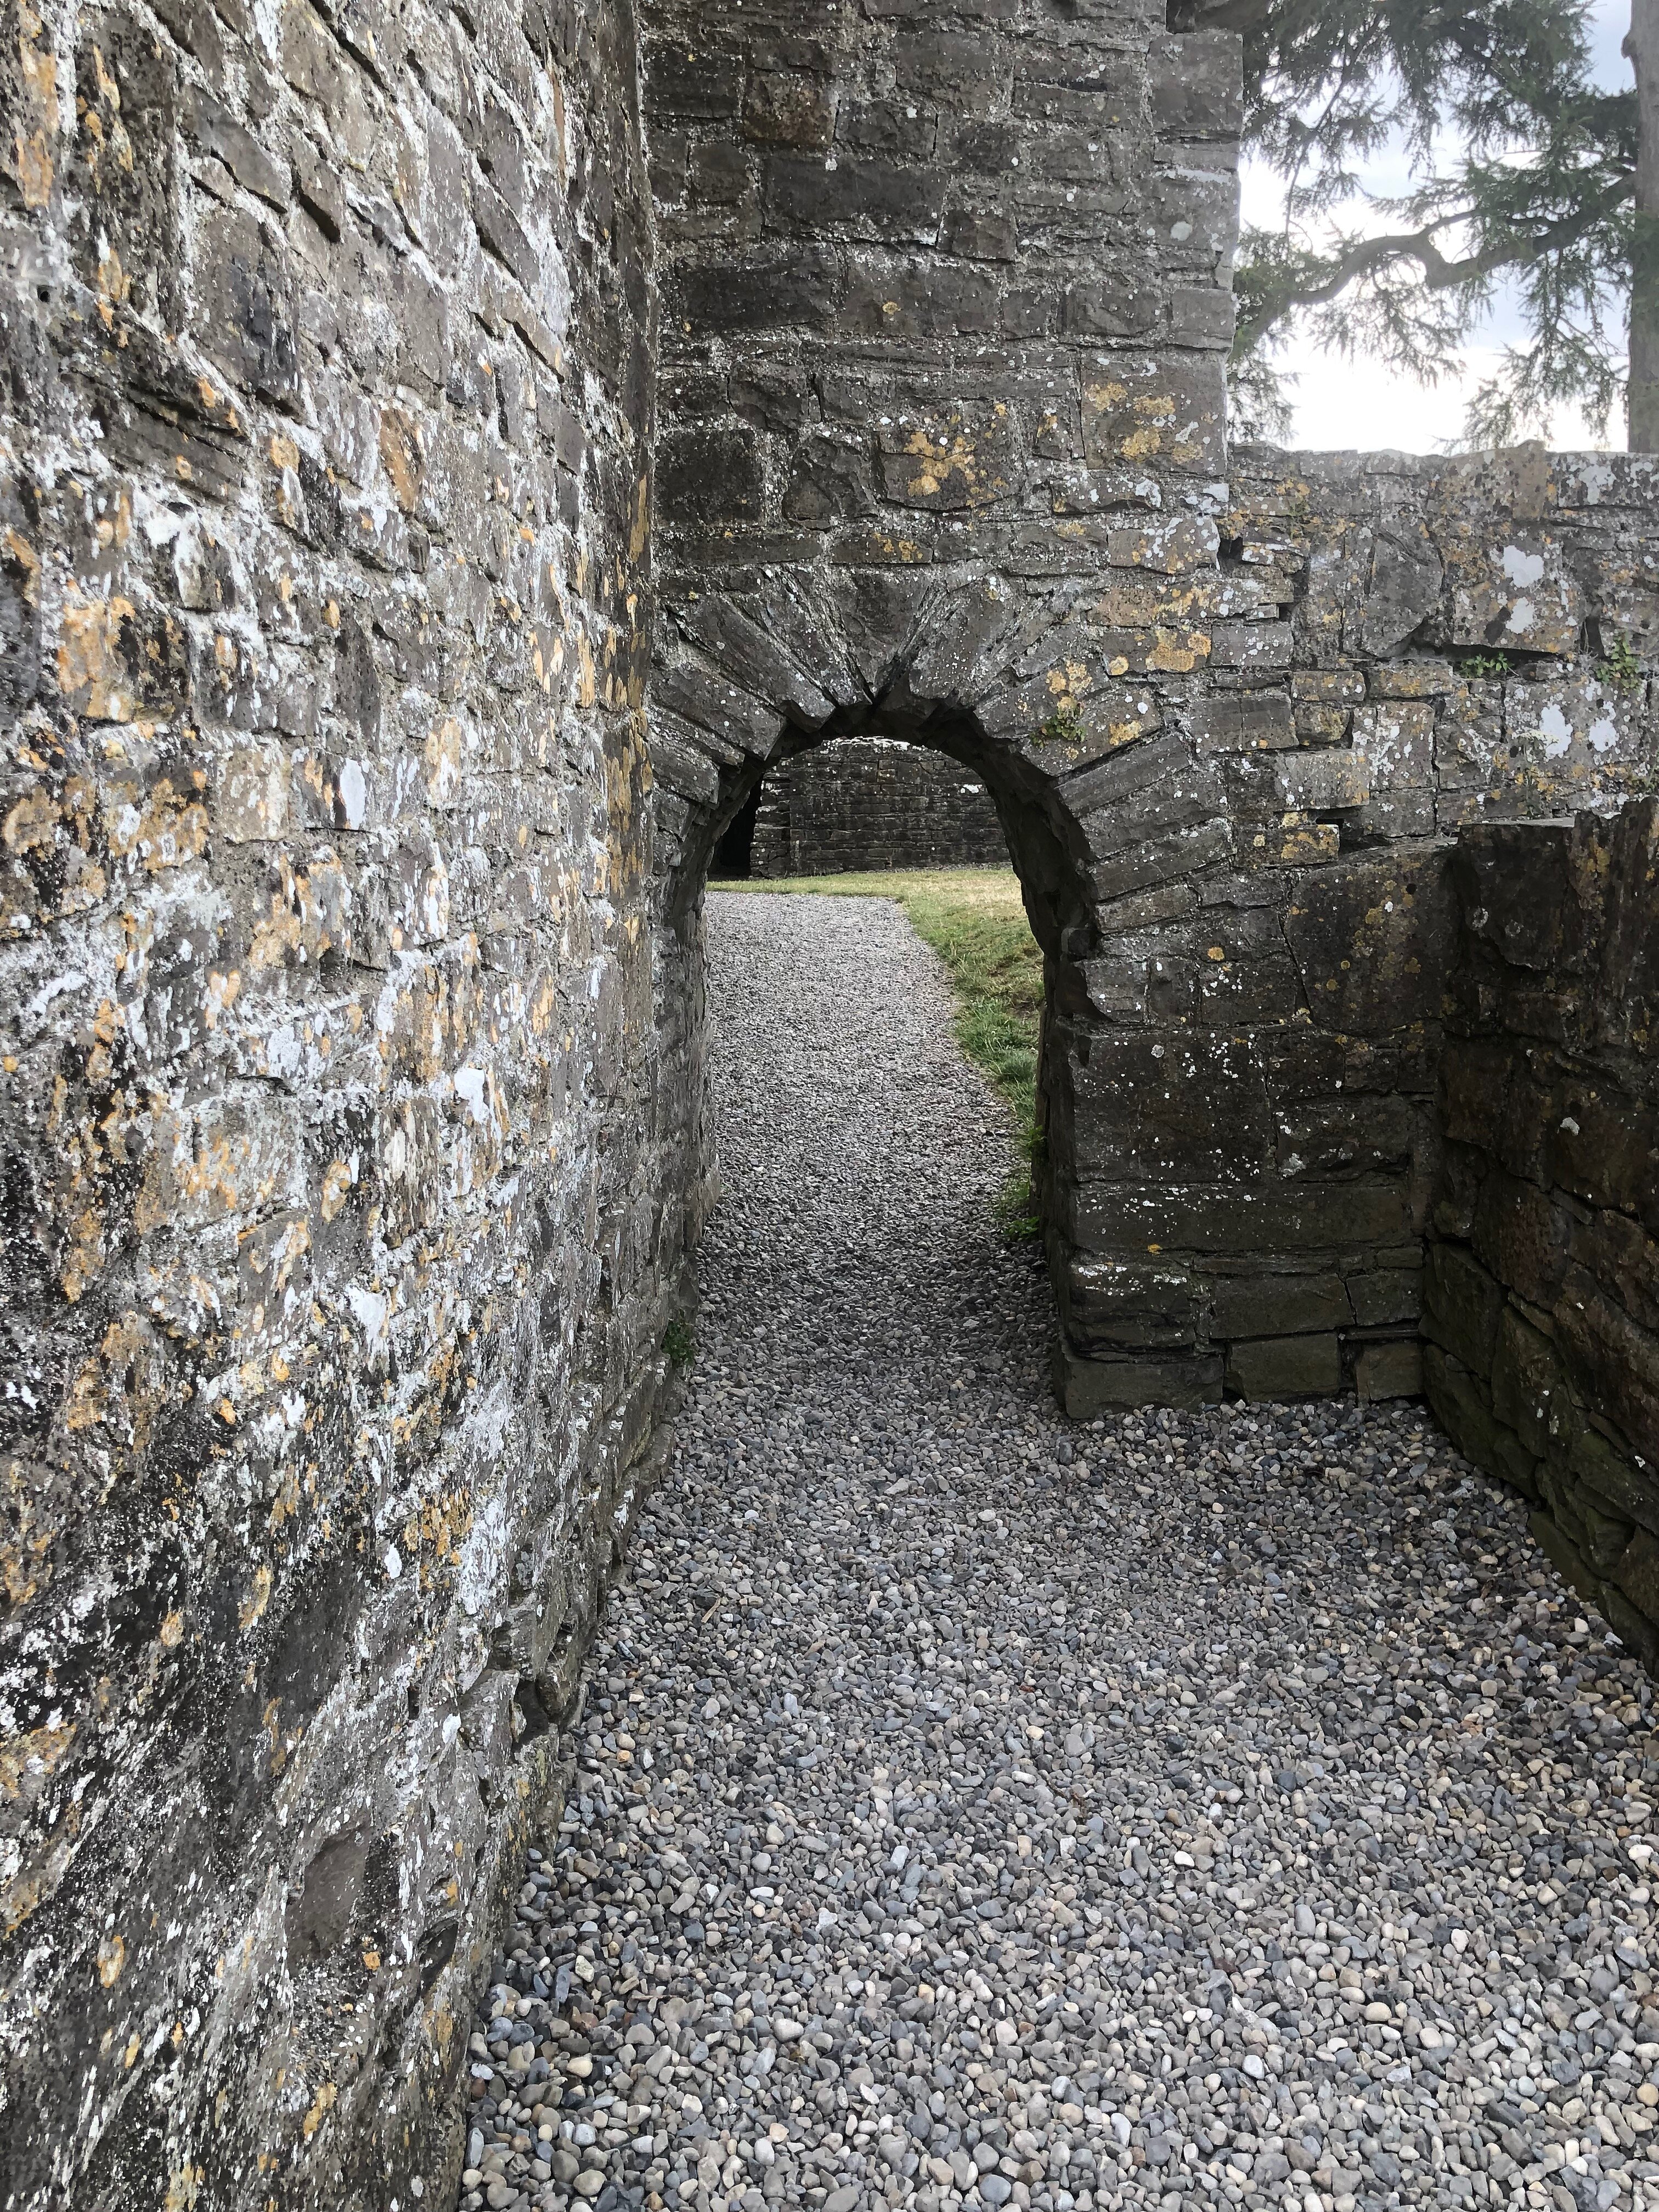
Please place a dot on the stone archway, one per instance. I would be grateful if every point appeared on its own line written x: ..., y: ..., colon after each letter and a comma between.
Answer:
x: 920, y: 462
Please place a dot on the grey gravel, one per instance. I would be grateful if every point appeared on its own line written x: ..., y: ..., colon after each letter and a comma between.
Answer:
x: 1185, y: 1811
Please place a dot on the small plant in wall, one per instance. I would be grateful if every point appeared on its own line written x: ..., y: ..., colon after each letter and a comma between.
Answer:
x: 679, y: 1343
x: 1477, y: 667
x: 1618, y: 670
x: 1063, y: 728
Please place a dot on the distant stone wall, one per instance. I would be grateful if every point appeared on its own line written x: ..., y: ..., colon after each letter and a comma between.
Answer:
x: 1542, y: 1289
x: 873, y: 803
x: 1460, y: 640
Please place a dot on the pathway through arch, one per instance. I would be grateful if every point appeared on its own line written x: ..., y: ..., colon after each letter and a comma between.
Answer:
x: 972, y: 1808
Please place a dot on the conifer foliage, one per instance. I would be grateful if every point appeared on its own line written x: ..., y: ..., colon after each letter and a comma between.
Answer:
x: 1528, y: 175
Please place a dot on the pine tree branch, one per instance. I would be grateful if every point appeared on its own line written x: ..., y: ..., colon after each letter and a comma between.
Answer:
x: 1370, y: 257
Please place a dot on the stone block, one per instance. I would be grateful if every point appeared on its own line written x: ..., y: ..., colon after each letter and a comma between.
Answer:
x: 1603, y: 1145
x: 802, y: 289
x: 1613, y: 1362
x: 1461, y: 1306
x: 1523, y: 1236
x: 1354, y: 1134
x: 1114, y: 1305
x: 1407, y: 575
x: 1463, y: 1407
x: 1610, y: 1480
x: 1529, y: 1388
x: 1285, y: 1367
x: 710, y: 475
x: 830, y: 480
x: 1278, y: 1305
x: 1155, y: 413
x: 1260, y: 1218
x: 1195, y: 85
x: 1388, y: 1371
x: 857, y: 198
x: 962, y: 457
x: 785, y: 108
x: 915, y: 299
x: 1386, y: 1294
x: 1202, y: 314
x: 1374, y: 938
x: 1242, y: 722
x: 1188, y: 1108
x: 1090, y: 1388
x: 701, y: 83
x: 244, y: 306
x: 1558, y: 1546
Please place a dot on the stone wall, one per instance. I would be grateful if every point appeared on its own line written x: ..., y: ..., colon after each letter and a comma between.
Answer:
x: 1398, y: 646
x: 873, y: 803
x: 351, y: 993
x: 344, y: 1211
x: 1541, y: 1290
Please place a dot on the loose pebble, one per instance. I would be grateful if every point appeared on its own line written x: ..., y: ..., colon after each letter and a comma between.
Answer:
x: 972, y: 1810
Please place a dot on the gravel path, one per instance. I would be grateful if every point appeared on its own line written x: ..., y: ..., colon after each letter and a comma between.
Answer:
x: 1230, y: 1808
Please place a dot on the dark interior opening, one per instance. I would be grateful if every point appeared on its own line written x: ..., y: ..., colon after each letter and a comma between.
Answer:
x: 734, y: 855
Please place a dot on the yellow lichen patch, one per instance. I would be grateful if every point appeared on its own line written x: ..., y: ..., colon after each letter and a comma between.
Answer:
x: 258, y: 1598
x: 335, y: 1187
x: 286, y: 1503
x: 112, y: 1957
x: 32, y: 162
x: 442, y: 754
x: 401, y: 455
x: 123, y: 1387
x: 184, y: 2187
x: 640, y: 534
x: 322, y: 2105
x: 1068, y: 683
x: 305, y: 913
x: 1302, y: 842
x: 39, y: 1884
x: 88, y: 660
x: 27, y: 1761
x: 1176, y: 652
x: 25, y: 556
x: 437, y: 1531
x: 587, y: 688
x: 84, y: 1254
x: 31, y: 826
x: 170, y: 827
x: 191, y: 1176
x: 173, y: 1630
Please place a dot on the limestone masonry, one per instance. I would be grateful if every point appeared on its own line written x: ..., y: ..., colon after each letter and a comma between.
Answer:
x: 871, y: 803
x: 450, y: 456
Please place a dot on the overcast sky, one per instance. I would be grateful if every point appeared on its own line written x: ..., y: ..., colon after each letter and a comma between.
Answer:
x: 1359, y: 403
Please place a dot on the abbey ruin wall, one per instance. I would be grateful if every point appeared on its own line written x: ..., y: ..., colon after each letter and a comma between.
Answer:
x: 873, y: 803
x: 1540, y: 1294
x: 344, y: 1207
x: 397, y: 607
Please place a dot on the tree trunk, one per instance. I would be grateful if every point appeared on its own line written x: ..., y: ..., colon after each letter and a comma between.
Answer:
x: 1643, y: 47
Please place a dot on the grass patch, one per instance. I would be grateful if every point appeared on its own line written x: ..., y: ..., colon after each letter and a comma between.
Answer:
x: 975, y: 920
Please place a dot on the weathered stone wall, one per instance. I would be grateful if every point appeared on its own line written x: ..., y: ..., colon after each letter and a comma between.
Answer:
x: 1408, y: 645
x: 351, y: 990
x: 343, y: 1214
x: 1541, y: 1290
x: 873, y: 803
x: 944, y: 457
